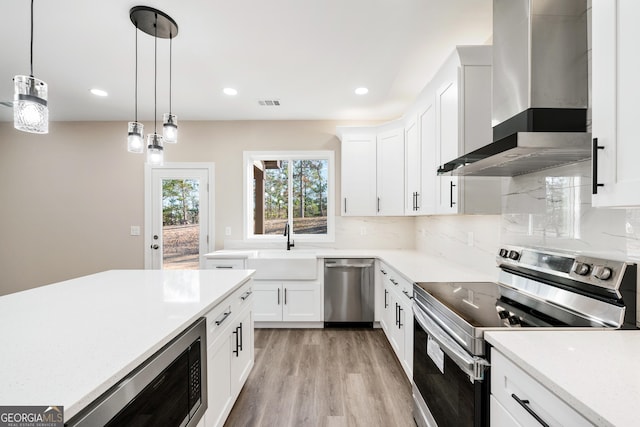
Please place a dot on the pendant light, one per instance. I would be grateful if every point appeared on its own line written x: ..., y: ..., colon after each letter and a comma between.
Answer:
x: 170, y: 121
x: 159, y: 25
x: 135, y: 139
x: 30, y: 111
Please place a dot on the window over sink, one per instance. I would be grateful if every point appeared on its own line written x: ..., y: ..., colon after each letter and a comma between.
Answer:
x: 289, y: 187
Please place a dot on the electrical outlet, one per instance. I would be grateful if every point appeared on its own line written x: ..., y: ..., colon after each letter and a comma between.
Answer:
x: 135, y: 230
x: 470, y: 238
x: 227, y: 231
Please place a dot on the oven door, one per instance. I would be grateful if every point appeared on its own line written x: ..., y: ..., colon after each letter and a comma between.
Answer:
x: 448, y: 384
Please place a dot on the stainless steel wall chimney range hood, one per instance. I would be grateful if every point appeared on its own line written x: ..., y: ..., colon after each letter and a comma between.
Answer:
x: 540, y: 90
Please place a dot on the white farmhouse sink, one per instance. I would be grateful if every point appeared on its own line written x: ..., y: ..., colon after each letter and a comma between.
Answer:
x: 278, y: 264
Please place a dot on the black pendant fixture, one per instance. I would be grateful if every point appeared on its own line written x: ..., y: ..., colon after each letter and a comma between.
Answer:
x: 159, y: 25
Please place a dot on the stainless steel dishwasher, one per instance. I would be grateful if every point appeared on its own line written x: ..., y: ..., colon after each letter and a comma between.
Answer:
x: 348, y: 292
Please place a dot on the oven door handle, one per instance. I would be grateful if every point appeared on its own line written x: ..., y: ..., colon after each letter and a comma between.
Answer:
x: 473, y: 366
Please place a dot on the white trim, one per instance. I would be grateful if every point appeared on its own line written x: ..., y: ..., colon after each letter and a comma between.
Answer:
x: 148, y: 185
x: 249, y: 156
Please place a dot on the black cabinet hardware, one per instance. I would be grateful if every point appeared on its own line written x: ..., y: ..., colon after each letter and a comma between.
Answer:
x: 222, y: 318
x: 525, y: 404
x: 451, y: 185
x: 594, y: 165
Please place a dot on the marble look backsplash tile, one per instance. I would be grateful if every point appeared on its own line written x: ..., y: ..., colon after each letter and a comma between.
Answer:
x: 470, y: 239
x: 552, y: 209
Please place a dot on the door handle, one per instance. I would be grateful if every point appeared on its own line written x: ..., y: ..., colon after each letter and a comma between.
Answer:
x: 278, y: 296
x: 378, y: 204
x: 525, y: 404
x: 594, y: 165
x: 345, y: 205
x: 236, y: 351
x: 417, y: 205
x: 155, y: 246
x: 285, y: 296
x: 399, y: 317
x: 240, y: 336
x: 385, y: 298
x: 451, y: 193
x: 396, y: 314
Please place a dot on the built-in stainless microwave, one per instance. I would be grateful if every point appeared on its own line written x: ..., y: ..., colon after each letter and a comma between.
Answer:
x: 169, y: 389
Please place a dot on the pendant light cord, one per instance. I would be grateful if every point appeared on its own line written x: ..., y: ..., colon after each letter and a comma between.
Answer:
x: 136, y: 112
x: 31, y: 56
x: 155, y: 77
x: 170, y: 62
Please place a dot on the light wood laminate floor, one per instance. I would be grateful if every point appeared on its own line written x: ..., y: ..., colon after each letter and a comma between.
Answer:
x: 324, y: 377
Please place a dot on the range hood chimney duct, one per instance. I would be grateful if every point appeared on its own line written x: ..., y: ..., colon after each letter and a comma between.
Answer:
x: 540, y: 90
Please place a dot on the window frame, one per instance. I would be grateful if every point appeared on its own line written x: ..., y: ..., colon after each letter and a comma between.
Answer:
x: 290, y: 155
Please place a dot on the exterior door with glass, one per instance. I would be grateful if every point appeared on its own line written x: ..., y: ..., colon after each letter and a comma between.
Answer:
x: 178, y: 216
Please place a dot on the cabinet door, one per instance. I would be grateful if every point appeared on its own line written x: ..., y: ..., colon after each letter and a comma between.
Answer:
x: 395, y: 336
x: 358, y: 175
x: 427, y: 124
x: 267, y: 301
x: 407, y: 332
x: 390, y: 180
x: 615, y: 93
x: 302, y: 302
x: 219, y: 383
x: 413, y: 168
x: 447, y: 144
x: 241, y: 350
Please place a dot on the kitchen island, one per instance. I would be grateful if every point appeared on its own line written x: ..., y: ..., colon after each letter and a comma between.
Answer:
x: 67, y: 343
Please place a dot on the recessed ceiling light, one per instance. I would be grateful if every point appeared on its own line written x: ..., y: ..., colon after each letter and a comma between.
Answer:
x: 230, y: 91
x: 362, y: 91
x: 99, y: 92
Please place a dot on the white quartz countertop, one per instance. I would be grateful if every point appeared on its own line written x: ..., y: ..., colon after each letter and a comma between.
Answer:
x: 595, y: 372
x: 415, y: 266
x: 67, y: 343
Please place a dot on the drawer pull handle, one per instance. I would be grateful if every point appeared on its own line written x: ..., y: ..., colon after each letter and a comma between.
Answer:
x: 222, y: 318
x: 394, y: 282
x: 407, y: 294
x: 525, y: 405
x: 224, y: 266
x: 245, y: 295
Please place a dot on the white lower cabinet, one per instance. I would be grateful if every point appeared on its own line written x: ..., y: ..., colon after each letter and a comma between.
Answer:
x: 230, y: 353
x: 289, y: 301
x: 524, y: 400
x: 397, y: 315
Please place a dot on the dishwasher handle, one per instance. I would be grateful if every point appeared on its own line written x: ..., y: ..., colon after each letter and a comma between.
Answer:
x: 348, y: 265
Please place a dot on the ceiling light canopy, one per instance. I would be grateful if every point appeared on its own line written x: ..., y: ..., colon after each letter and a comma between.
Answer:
x: 159, y: 25
x: 30, y: 110
x: 362, y: 91
x: 230, y: 91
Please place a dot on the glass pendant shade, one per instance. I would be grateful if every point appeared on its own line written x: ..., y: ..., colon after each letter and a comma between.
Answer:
x: 30, y: 111
x: 135, y: 140
x: 155, y: 151
x: 170, y: 128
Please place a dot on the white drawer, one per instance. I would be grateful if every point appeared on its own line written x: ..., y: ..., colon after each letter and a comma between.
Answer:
x: 509, y: 381
x: 218, y: 319
x: 218, y: 263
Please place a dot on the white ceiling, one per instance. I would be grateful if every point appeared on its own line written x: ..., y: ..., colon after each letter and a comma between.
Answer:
x: 309, y: 54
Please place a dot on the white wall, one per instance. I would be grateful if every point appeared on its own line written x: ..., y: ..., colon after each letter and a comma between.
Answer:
x: 68, y: 198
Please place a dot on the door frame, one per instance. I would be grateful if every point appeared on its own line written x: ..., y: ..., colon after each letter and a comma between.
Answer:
x: 148, y: 210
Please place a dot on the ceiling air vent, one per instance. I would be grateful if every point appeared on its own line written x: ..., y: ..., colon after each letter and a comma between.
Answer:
x: 269, y: 102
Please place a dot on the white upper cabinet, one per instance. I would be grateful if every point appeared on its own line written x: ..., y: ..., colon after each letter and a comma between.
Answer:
x: 413, y: 167
x: 390, y: 173
x: 358, y: 180
x: 615, y: 94
x: 427, y: 136
x: 372, y: 166
x: 463, y: 124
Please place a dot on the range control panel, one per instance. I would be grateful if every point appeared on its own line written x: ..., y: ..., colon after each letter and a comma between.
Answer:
x: 591, y: 270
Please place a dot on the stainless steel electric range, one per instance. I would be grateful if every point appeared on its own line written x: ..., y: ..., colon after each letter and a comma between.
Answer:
x: 535, y: 288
